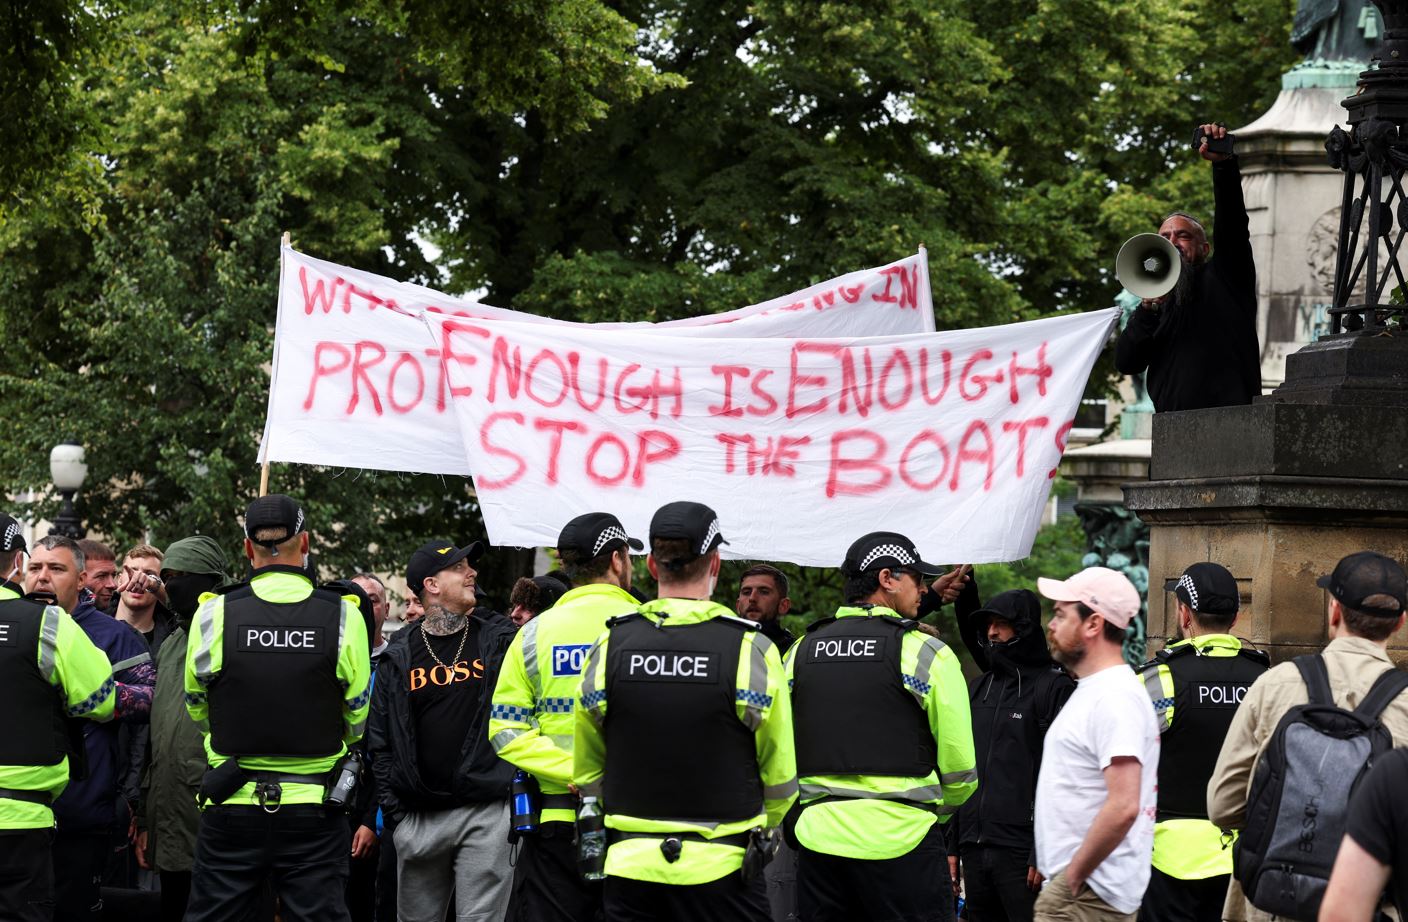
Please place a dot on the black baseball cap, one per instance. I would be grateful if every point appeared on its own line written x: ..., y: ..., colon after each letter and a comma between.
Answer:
x: 273, y: 511
x: 11, y: 535
x: 695, y: 523
x: 550, y: 589
x: 433, y: 556
x: 881, y: 549
x: 1363, y: 575
x: 1207, y: 588
x: 595, y: 533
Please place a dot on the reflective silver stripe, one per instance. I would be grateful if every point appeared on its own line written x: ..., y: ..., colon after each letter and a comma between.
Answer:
x: 588, y: 687
x: 205, y: 621
x: 530, y: 655
x: 757, y: 680
x: 562, y: 741
x: 923, y: 665
x: 1154, y: 685
x: 504, y: 737
x: 913, y: 795
x: 359, y: 728
x: 48, y: 641
x: 959, y: 777
x: 341, y: 626
x: 780, y: 791
x: 132, y: 661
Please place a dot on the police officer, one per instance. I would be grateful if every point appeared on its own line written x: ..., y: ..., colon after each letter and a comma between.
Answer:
x: 276, y: 677
x: 1196, y: 685
x: 884, y: 745
x: 531, y: 721
x: 684, y: 731
x: 49, y: 671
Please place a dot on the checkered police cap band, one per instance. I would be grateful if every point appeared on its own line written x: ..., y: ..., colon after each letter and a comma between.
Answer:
x: 608, y: 534
x: 1186, y: 584
x: 887, y: 550
x: 10, y: 541
x: 709, y: 536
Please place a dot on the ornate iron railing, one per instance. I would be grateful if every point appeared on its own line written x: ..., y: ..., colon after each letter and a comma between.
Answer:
x: 1370, y: 284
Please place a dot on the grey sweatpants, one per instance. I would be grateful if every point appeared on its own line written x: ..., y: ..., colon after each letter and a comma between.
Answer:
x: 465, y: 851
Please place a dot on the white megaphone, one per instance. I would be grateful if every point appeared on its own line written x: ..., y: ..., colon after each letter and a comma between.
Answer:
x: 1148, y: 266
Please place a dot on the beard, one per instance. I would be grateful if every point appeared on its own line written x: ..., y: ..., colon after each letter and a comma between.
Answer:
x: 1183, y: 289
x: 1070, y: 658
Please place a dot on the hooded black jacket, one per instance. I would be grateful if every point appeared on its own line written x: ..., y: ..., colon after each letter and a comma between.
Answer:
x: 391, y: 742
x: 1013, y: 702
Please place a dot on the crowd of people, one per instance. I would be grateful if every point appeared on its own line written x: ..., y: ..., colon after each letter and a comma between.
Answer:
x: 268, y: 752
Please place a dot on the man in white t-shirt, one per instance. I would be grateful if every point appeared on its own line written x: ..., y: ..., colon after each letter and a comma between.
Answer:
x: 1096, y: 794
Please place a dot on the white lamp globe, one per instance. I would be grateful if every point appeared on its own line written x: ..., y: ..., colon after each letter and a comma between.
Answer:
x: 66, y: 466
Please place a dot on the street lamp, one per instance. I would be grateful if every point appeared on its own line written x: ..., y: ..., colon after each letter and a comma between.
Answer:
x: 67, y: 469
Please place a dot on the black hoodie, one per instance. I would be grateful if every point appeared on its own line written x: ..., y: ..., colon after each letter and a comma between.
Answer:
x: 1014, y: 701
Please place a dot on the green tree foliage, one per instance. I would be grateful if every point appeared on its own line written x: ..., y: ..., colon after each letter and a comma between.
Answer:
x: 145, y: 335
x: 640, y: 160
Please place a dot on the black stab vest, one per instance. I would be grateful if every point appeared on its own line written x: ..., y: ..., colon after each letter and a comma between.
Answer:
x: 35, y: 729
x: 1206, y: 693
x: 675, y: 746
x: 851, y: 711
x: 277, y: 692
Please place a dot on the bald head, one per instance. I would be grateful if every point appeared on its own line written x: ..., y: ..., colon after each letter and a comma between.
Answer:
x: 1185, y: 233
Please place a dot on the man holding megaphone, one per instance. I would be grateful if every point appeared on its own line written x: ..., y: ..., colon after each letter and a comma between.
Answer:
x: 1195, y: 328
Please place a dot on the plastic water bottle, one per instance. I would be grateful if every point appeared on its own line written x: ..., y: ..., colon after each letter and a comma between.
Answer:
x: 525, y: 808
x: 591, y: 840
x: 349, y: 773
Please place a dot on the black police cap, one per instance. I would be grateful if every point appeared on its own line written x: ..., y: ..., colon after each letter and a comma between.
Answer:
x: 11, y: 535
x: 275, y: 511
x: 694, y: 523
x: 881, y: 549
x: 593, y: 534
x: 1207, y: 588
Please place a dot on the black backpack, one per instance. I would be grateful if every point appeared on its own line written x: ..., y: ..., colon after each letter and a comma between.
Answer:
x: 1300, y: 792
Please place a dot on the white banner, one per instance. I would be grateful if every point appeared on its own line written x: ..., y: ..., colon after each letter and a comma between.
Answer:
x: 358, y: 382
x: 800, y: 445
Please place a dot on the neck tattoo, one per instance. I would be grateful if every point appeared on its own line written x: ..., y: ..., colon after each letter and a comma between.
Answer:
x: 441, y: 622
x: 462, y: 638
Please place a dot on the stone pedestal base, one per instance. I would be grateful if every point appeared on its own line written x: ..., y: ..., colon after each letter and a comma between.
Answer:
x: 1277, y: 493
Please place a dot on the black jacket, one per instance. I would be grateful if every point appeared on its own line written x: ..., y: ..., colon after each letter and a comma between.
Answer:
x: 779, y: 635
x: 1204, y: 353
x: 1014, y: 701
x: 391, y: 743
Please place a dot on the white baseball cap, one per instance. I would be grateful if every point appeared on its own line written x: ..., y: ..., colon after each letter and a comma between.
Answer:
x: 1107, y: 591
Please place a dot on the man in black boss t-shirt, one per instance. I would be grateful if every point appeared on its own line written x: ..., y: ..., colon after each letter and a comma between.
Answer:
x: 436, y: 772
x: 446, y: 686
x: 1374, y: 854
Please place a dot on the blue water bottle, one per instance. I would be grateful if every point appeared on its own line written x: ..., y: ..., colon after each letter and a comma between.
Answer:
x: 525, y: 802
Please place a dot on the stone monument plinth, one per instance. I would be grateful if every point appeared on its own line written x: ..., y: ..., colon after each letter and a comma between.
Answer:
x: 1276, y: 492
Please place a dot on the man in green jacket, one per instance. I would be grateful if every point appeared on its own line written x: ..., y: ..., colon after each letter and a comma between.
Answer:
x: 49, y: 672
x: 167, y: 817
x: 277, y: 677
x: 683, y: 730
x: 884, y: 745
x: 531, y: 721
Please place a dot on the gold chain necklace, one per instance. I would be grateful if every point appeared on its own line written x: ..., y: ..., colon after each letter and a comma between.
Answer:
x: 464, y: 635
